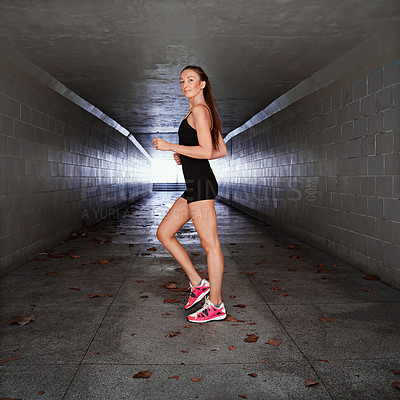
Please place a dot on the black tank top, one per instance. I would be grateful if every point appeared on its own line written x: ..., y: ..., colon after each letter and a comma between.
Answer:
x: 193, y: 168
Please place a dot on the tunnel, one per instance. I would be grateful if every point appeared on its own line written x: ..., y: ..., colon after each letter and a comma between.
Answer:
x: 308, y: 93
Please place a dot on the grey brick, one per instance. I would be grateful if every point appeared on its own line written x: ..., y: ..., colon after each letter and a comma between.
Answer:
x: 3, y: 146
x: 391, y: 209
x: 354, y: 148
x: 326, y: 105
x: 347, y: 202
x: 347, y: 95
x: 36, y: 118
x: 396, y: 186
x: 354, y: 109
x: 336, y: 201
x: 14, y: 109
x: 360, y: 204
x: 328, y: 120
x: 7, y: 125
x: 375, y: 123
x: 384, y: 99
x: 26, y: 114
x: 375, y: 206
x: 384, y: 229
x: 391, y: 255
x: 396, y: 95
x: 375, y: 81
x: 13, y: 147
x: 7, y: 166
x: 360, y: 127
x: 391, y: 119
x: 375, y: 165
x: 384, y: 186
x: 368, y: 185
x: 396, y: 141
x: 368, y: 145
x: 360, y: 89
x: 317, y: 110
x: 366, y: 225
x: 354, y: 184
x: 367, y: 105
x: 392, y: 164
x: 391, y: 74
x: 347, y: 130
x: 336, y: 101
x: 384, y: 143
x: 396, y: 232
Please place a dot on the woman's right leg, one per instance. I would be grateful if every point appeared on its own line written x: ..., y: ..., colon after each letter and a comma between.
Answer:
x: 176, y: 217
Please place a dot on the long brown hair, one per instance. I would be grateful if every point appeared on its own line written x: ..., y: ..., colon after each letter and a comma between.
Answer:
x: 209, y: 98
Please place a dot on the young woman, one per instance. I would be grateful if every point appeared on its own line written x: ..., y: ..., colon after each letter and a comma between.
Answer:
x: 200, y: 140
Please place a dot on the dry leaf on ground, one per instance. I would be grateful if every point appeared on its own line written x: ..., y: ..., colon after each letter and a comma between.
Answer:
x: 9, y: 359
x: 231, y: 319
x: 171, y: 300
x: 95, y: 295
x: 169, y: 285
x: 143, y: 374
x: 196, y: 379
x: 253, y: 374
x: 173, y: 334
x: 327, y: 319
x: 251, y: 338
x: 273, y: 342
x: 21, y: 320
x: 310, y: 382
x: 371, y: 277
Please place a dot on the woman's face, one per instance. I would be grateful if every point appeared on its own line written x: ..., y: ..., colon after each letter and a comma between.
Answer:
x: 191, y: 84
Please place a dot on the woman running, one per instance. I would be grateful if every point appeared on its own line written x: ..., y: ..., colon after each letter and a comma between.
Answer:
x: 200, y: 140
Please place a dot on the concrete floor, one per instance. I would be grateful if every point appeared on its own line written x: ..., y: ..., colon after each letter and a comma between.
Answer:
x: 90, y: 348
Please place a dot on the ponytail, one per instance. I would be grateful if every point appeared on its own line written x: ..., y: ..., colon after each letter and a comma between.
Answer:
x: 209, y: 98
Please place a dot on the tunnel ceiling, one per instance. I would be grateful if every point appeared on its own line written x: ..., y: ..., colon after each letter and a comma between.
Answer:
x: 125, y: 56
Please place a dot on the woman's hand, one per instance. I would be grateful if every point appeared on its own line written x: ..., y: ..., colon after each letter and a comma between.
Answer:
x: 177, y: 158
x: 161, y: 144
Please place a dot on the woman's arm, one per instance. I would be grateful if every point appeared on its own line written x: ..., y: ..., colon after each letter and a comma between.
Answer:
x: 222, y: 152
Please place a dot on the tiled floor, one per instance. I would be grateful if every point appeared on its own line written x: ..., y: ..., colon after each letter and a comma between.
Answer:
x: 82, y: 347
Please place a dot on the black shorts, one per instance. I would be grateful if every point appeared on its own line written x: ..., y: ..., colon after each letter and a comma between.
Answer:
x: 200, y: 189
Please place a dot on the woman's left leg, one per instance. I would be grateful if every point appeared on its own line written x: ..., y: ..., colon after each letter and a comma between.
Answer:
x: 204, y: 219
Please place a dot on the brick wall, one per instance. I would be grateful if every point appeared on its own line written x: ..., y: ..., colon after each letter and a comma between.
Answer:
x: 61, y: 168
x: 326, y: 169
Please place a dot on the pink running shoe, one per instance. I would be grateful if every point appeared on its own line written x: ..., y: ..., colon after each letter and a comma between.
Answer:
x: 197, y: 293
x: 208, y: 313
